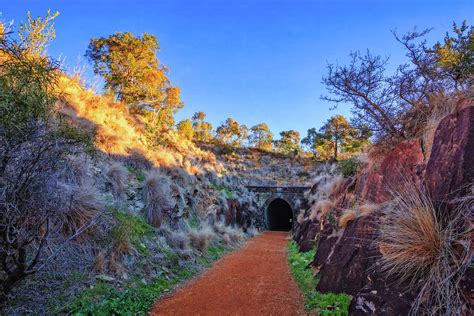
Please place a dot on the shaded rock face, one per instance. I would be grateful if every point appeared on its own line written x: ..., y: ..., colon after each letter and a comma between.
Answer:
x: 381, y: 295
x: 346, y: 267
x: 305, y: 234
x: 451, y: 164
x: 235, y: 213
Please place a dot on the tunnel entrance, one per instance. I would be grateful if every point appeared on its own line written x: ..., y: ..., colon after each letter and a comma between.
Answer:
x: 279, y: 215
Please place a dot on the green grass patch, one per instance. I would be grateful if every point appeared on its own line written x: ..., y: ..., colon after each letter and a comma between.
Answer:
x: 193, y: 221
x: 132, y: 229
x: 137, y: 173
x: 228, y: 193
x: 324, y: 304
x: 137, y: 298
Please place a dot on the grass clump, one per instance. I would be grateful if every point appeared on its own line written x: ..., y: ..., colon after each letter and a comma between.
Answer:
x: 324, y: 304
x: 130, y: 232
x: 157, y: 197
x: 427, y: 248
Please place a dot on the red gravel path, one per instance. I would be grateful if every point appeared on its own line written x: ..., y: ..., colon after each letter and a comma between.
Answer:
x: 254, y: 280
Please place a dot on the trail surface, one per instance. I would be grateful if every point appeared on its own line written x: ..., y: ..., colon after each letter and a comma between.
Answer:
x: 254, y: 280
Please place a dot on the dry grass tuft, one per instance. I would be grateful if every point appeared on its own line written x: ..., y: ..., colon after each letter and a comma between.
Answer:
x: 427, y: 249
x: 313, y: 214
x: 118, y: 177
x: 176, y: 239
x: 81, y: 204
x: 300, y: 217
x: 252, y: 231
x: 201, y: 238
x: 157, y: 197
x: 99, y: 261
x: 367, y: 208
x: 346, y: 217
x: 226, y: 239
x: 234, y: 235
x: 324, y: 206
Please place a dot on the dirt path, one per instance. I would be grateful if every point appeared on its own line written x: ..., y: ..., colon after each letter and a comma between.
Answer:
x: 254, y: 280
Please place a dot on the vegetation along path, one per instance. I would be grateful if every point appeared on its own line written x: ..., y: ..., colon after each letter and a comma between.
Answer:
x: 254, y: 280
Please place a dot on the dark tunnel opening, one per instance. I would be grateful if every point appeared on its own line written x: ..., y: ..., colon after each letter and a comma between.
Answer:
x: 279, y: 215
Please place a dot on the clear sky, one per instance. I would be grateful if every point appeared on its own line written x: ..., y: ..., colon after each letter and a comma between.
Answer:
x: 253, y: 60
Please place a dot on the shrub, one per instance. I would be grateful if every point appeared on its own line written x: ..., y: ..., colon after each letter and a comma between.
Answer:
x: 34, y: 142
x: 157, y: 196
x: 348, y: 167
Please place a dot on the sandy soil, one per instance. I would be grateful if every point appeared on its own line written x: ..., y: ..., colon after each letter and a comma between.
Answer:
x: 254, y: 280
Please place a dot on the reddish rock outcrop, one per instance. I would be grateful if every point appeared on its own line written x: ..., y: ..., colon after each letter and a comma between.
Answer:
x: 381, y: 295
x: 346, y: 267
x: 451, y: 164
x: 349, y: 262
x: 305, y: 233
x: 400, y: 165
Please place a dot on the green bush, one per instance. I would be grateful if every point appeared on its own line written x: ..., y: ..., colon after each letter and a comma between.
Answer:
x: 324, y: 304
x: 348, y: 167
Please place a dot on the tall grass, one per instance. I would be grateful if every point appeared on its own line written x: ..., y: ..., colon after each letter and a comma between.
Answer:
x: 427, y: 248
x: 323, y: 303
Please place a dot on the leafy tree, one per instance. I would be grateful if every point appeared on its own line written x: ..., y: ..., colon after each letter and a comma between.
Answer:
x: 37, y: 33
x: 456, y: 54
x: 310, y: 140
x: 202, y: 129
x: 2, y: 31
x: 185, y: 129
x: 335, y: 137
x: 133, y: 72
x: 339, y: 133
x: 261, y: 137
x: 289, y: 142
x: 231, y: 133
x: 317, y: 144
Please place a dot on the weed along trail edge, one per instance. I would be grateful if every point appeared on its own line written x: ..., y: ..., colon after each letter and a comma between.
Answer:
x: 254, y: 280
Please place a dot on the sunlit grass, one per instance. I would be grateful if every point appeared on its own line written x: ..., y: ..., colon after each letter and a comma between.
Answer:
x: 322, y: 303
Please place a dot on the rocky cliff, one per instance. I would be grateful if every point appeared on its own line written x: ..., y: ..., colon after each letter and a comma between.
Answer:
x: 349, y: 219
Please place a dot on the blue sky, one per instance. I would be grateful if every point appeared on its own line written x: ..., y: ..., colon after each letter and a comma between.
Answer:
x: 253, y: 60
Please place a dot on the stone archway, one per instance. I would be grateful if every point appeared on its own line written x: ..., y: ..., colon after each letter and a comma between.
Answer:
x: 279, y: 215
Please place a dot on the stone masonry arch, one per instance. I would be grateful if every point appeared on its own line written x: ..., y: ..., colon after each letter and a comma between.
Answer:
x: 266, y: 195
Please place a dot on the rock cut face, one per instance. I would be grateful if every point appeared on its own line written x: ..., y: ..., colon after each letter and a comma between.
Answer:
x: 451, y: 165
